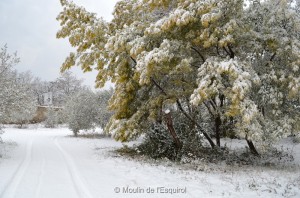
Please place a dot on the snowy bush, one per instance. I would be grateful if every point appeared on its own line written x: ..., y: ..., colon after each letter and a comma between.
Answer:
x: 158, y: 143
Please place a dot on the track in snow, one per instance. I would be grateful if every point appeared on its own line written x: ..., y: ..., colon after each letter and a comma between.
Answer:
x: 12, y: 185
x: 40, y: 178
x: 80, y: 187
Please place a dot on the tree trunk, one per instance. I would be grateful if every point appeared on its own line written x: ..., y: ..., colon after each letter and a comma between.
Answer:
x: 252, y: 147
x: 218, y: 123
x: 169, y: 122
x: 186, y: 115
x: 211, y: 142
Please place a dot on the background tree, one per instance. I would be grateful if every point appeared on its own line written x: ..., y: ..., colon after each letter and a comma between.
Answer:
x: 7, y: 81
x: 52, y: 119
x: 65, y: 86
x: 104, y: 114
x: 17, y: 101
x: 87, y: 110
x: 25, y: 105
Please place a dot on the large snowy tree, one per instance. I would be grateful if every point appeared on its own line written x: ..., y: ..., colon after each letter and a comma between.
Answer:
x: 240, y: 62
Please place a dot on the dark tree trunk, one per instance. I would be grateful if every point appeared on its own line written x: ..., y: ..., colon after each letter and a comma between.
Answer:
x: 263, y: 111
x: 218, y: 123
x: 252, y: 147
x: 169, y: 122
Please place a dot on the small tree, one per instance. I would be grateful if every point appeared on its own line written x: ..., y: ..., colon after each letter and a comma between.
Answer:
x: 82, y: 111
x: 87, y: 110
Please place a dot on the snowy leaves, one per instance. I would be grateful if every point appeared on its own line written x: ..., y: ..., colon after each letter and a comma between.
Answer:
x: 228, y: 77
x: 157, y: 62
x: 86, y: 32
x: 239, y: 63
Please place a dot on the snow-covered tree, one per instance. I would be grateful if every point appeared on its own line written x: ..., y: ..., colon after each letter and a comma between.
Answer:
x: 7, y: 85
x: 61, y: 88
x: 65, y: 86
x: 23, y: 107
x: 239, y: 62
x: 17, y: 103
x: 104, y: 114
x: 87, y: 110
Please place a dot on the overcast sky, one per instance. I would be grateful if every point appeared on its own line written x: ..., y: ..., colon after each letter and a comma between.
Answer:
x: 29, y: 27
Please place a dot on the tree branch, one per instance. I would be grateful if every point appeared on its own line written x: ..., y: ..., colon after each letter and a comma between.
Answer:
x: 158, y: 86
x: 197, y: 51
x: 212, y: 144
x: 186, y: 114
x: 210, y: 111
x: 133, y: 60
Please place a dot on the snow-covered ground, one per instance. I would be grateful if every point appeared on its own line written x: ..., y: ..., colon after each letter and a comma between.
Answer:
x: 41, y: 162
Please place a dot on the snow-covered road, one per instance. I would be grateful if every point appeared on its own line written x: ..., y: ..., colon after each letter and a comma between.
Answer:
x: 41, y: 167
x: 50, y: 163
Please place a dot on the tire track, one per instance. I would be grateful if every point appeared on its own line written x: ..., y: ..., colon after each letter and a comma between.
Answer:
x: 40, y: 178
x: 13, y: 184
x: 80, y: 187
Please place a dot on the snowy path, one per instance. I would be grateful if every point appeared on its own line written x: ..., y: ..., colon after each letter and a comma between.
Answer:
x: 47, y: 163
x: 46, y: 170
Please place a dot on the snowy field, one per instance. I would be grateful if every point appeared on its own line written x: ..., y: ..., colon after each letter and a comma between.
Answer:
x: 42, y: 163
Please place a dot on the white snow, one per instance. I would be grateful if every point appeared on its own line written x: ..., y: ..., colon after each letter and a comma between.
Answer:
x: 167, y: 111
x: 51, y: 163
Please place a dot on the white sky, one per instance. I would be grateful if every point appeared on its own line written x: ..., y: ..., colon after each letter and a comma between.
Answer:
x: 29, y: 27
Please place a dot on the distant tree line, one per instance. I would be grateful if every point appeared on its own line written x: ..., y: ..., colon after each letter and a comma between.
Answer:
x: 22, y: 93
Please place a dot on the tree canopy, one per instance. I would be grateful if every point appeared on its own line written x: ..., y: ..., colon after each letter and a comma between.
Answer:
x: 238, y: 62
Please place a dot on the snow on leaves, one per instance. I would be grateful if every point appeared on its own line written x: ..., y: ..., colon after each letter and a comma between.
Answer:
x: 239, y: 62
